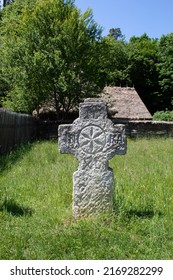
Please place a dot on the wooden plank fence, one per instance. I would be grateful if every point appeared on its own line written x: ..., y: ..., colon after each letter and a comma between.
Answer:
x: 16, y: 129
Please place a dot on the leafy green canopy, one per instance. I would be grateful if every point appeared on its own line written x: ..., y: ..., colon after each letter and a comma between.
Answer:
x: 49, y: 49
x: 165, y: 68
x: 114, y: 61
x: 143, y: 57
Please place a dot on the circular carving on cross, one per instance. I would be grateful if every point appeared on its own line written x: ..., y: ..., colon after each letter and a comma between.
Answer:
x: 92, y: 139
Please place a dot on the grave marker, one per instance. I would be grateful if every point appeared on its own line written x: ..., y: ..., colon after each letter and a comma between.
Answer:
x: 93, y: 139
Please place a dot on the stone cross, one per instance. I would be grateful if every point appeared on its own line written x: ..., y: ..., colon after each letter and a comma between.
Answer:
x: 93, y: 139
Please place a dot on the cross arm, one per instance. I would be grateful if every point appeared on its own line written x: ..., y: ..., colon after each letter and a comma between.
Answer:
x: 67, y: 139
x: 119, y: 139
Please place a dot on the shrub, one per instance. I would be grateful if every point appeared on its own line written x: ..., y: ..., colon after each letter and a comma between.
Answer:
x: 163, y: 116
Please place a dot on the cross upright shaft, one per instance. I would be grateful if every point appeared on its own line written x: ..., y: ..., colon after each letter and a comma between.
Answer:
x: 93, y: 139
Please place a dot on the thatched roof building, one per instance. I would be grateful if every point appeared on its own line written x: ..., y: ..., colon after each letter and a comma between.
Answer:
x: 125, y: 103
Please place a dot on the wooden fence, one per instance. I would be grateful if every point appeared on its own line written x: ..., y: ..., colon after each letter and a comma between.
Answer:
x: 16, y: 129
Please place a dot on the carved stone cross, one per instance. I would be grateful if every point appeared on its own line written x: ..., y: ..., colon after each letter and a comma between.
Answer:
x: 93, y: 139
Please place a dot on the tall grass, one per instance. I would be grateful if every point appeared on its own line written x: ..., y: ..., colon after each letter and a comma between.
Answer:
x: 36, y: 198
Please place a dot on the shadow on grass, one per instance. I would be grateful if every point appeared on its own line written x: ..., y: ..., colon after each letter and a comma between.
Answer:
x: 15, y: 209
x: 145, y: 214
x: 142, y: 214
x: 10, y: 158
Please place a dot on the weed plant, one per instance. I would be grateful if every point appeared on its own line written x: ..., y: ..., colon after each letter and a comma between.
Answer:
x: 36, y: 200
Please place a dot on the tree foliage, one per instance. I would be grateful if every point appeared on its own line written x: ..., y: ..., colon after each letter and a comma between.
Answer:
x: 49, y: 49
x: 116, y: 34
x: 165, y: 68
x: 114, y: 61
x: 143, y: 72
x: 7, y: 2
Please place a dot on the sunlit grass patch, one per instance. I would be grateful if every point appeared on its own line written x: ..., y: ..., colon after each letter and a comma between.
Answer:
x: 36, y: 199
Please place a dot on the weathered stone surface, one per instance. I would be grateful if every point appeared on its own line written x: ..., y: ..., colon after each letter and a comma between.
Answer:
x: 93, y: 139
x: 92, y: 191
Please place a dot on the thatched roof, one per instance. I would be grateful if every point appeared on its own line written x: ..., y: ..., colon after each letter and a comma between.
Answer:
x: 122, y: 102
x: 125, y: 103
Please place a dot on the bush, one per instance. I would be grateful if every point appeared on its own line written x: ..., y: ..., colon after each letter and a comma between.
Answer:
x: 163, y: 116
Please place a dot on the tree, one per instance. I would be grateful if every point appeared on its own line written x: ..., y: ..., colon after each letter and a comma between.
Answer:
x: 165, y: 68
x: 7, y: 2
x: 114, y: 61
x: 116, y: 34
x: 143, y: 57
x: 49, y: 49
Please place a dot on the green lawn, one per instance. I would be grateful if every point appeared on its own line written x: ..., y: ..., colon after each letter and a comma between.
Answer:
x: 36, y: 200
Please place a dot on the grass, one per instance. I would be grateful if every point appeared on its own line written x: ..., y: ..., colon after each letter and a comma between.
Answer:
x: 36, y: 200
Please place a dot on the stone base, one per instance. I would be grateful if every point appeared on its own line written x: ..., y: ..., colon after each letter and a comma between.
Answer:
x: 92, y: 192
